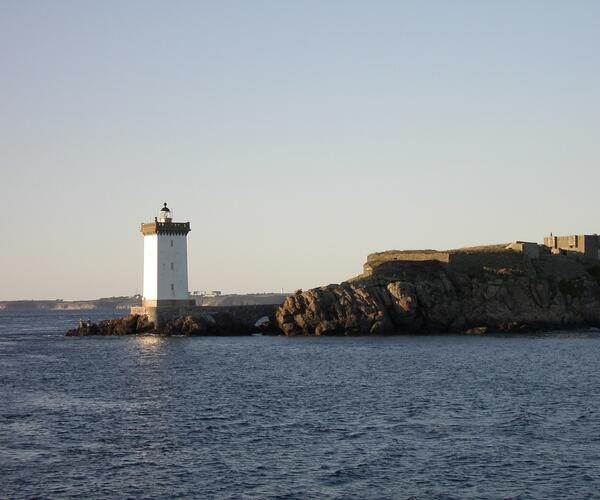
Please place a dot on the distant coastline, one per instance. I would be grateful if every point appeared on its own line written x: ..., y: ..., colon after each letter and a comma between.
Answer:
x: 119, y: 303
x: 125, y: 303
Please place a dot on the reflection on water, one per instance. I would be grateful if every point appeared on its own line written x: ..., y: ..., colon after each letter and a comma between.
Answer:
x: 151, y: 342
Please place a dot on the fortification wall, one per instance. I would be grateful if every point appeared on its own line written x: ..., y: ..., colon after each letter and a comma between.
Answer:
x: 465, y: 262
x: 241, y: 316
x: 408, y: 255
x: 461, y: 261
x: 245, y: 315
x: 376, y: 260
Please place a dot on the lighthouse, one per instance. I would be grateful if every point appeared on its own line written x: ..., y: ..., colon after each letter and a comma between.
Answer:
x: 165, y: 290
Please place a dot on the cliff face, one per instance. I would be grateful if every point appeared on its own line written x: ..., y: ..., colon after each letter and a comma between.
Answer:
x: 504, y: 292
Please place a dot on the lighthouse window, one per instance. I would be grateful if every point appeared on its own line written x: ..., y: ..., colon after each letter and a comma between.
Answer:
x: 172, y: 287
x: 172, y: 266
x: 171, y: 243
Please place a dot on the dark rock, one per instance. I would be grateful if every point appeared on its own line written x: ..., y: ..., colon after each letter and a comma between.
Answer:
x: 202, y: 324
x: 128, y: 325
x: 228, y: 321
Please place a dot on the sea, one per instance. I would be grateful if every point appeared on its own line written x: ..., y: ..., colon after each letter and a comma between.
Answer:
x: 403, y: 417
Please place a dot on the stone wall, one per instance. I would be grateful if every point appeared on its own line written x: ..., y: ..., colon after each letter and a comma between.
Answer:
x: 375, y: 260
x: 592, y: 246
x: 467, y: 262
x: 244, y: 316
x: 531, y: 250
x: 409, y: 255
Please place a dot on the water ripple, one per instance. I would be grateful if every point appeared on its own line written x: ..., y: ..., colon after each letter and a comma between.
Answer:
x: 441, y: 417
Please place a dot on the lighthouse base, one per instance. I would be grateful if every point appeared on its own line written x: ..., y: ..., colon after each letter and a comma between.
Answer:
x: 160, y: 312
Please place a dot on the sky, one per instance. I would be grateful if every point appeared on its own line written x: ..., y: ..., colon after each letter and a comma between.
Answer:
x: 295, y: 136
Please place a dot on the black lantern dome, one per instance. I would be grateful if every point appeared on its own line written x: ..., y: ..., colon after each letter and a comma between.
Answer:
x: 165, y: 214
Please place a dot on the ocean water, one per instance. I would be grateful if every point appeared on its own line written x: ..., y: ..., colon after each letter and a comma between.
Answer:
x: 270, y: 417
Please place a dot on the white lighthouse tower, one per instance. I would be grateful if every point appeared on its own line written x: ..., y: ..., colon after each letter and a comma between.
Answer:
x: 165, y: 292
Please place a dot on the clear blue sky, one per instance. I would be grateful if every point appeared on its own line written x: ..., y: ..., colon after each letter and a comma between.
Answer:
x: 296, y: 137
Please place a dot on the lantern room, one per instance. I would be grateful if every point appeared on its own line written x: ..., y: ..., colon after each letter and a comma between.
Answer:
x: 165, y: 214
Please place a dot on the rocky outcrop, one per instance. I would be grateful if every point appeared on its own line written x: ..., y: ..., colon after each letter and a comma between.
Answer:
x: 129, y: 325
x: 239, y: 320
x: 432, y: 296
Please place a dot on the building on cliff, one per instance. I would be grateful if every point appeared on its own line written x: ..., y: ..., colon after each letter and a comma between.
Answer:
x: 528, y: 248
x: 586, y: 244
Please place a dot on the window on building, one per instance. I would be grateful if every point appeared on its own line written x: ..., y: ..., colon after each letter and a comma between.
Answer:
x: 573, y: 242
x: 173, y: 287
x: 172, y: 266
x: 171, y: 243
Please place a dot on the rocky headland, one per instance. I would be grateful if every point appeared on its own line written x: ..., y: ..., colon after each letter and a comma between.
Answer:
x: 476, y: 290
x: 500, y: 288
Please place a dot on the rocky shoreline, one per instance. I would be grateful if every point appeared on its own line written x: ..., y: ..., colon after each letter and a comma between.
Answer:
x: 475, y: 292
x: 213, y: 323
x: 506, y: 293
